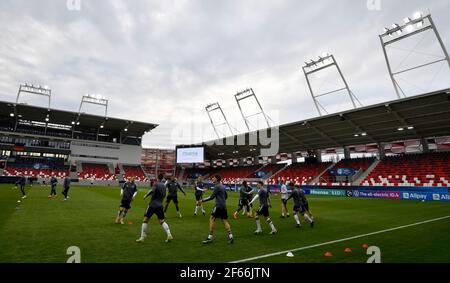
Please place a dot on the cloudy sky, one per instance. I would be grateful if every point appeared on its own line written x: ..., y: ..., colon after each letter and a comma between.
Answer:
x: 163, y: 61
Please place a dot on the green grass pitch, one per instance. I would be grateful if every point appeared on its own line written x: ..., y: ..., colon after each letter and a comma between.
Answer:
x: 39, y: 230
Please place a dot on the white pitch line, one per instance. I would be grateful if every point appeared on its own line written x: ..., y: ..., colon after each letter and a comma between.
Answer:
x: 341, y: 240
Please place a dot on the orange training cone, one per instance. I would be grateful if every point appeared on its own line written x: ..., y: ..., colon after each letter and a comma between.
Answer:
x: 328, y: 254
x: 365, y: 246
x: 130, y: 222
x: 348, y: 250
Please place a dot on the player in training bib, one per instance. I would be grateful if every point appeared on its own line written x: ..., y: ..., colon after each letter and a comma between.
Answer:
x: 219, y: 211
x: 264, y: 204
x: 244, y: 193
x: 200, y: 189
x: 172, y: 188
x: 158, y: 193
x: 128, y: 193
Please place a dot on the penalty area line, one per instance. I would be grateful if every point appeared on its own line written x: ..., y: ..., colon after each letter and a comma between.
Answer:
x: 341, y: 240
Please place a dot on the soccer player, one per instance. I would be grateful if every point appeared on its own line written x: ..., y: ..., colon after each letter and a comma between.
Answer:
x: 173, y: 187
x: 284, y: 198
x: 264, y: 204
x: 305, y: 207
x: 199, y: 190
x: 244, y: 192
x: 158, y: 193
x: 219, y: 210
x: 53, y: 183
x: 128, y: 193
x: 296, y: 197
x: 21, y: 183
x: 66, y: 186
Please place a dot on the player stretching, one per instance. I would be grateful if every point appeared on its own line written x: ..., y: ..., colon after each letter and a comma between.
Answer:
x: 21, y: 184
x: 219, y: 211
x: 128, y: 193
x: 158, y: 192
x: 284, y: 198
x: 305, y: 207
x: 199, y: 190
x: 244, y: 192
x: 172, y: 187
x: 66, y: 186
x: 53, y: 183
x: 264, y: 204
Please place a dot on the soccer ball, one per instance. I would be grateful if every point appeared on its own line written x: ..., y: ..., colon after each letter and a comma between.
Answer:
x: 19, y: 201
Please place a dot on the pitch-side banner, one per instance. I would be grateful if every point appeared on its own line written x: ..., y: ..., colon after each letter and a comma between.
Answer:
x: 376, y: 194
x: 427, y: 196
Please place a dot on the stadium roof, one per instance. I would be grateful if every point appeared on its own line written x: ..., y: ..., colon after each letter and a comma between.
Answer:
x: 422, y: 116
x: 62, y: 117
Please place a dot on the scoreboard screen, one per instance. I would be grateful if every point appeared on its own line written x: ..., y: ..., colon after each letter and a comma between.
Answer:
x: 190, y: 155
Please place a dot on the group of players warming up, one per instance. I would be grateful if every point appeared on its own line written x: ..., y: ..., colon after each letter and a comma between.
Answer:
x: 219, y: 195
x: 21, y: 183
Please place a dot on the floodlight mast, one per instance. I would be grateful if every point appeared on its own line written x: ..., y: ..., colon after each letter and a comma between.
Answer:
x: 214, y: 107
x: 324, y: 62
x: 411, y: 27
x: 249, y: 93
x: 34, y: 89
x: 94, y: 99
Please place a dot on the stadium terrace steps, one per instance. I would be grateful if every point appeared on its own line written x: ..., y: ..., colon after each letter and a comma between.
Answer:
x: 317, y: 179
x: 366, y: 173
x: 419, y: 170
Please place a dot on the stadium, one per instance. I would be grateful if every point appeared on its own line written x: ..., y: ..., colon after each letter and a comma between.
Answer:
x: 376, y: 178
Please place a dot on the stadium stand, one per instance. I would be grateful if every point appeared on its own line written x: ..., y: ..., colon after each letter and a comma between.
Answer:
x: 301, y: 173
x: 134, y: 171
x: 233, y: 174
x: 91, y: 171
x: 357, y: 164
x: 420, y: 170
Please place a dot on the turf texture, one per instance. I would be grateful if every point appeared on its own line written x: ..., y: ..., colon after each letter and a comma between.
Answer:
x: 40, y: 230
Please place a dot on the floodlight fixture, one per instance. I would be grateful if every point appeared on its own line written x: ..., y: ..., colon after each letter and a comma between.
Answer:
x: 245, y: 95
x: 216, y: 107
x: 96, y: 99
x: 323, y: 62
x: 419, y: 23
x: 34, y: 89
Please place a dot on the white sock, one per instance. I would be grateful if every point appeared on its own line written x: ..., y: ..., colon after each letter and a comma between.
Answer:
x: 271, y: 224
x: 166, y: 228
x: 296, y: 219
x: 203, y: 210
x: 196, y: 209
x: 258, y: 225
x: 307, y: 217
x: 144, y: 230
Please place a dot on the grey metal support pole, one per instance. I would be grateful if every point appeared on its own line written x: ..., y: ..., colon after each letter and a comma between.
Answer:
x: 345, y: 82
x: 311, y: 91
x: 444, y: 49
x: 212, y: 123
x: 242, y: 113
x: 388, y: 64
